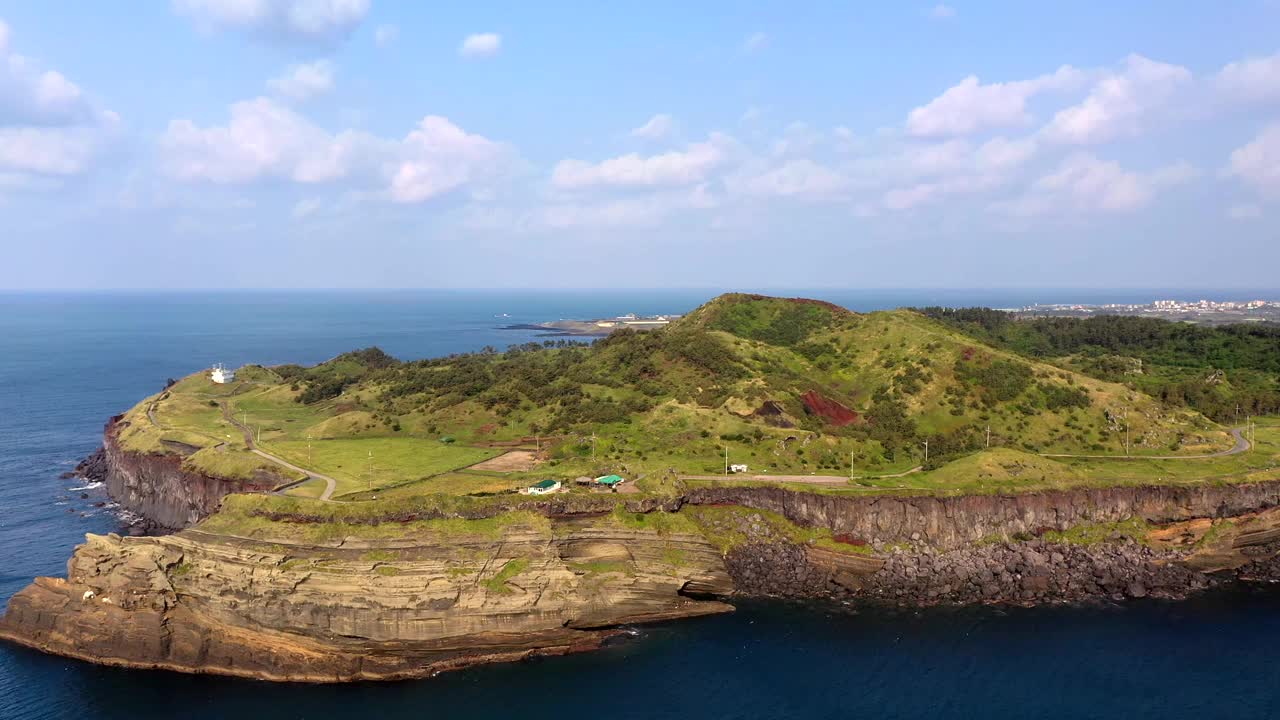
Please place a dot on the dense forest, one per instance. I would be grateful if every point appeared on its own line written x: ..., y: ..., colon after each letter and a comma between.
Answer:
x: 1224, y: 372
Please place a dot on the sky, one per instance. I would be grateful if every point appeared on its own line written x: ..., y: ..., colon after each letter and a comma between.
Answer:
x: 371, y: 143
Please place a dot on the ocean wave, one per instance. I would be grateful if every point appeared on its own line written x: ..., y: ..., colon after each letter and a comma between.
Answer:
x: 90, y: 486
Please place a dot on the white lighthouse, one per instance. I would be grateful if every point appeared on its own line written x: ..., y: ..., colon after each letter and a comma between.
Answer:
x: 221, y: 375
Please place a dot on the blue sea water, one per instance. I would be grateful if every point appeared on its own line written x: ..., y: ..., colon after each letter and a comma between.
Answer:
x: 70, y: 360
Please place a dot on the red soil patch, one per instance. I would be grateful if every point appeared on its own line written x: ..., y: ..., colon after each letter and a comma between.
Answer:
x: 828, y: 409
x: 848, y: 539
x: 487, y: 428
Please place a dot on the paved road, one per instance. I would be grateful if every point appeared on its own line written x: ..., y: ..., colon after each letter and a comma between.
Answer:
x: 330, y: 485
x: 1241, y: 445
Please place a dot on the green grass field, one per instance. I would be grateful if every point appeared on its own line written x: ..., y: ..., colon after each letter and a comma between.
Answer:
x: 372, y: 463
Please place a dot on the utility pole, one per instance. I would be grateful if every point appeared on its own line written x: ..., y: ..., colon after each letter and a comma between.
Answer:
x: 988, y: 436
x: 851, y: 463
x: 593, y: 447
x: 726, y: 460
x: 926, y: 452
x: 369, y: 473
x: 308, y: 450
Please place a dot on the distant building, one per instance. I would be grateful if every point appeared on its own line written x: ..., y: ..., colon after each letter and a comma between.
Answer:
x: 610, y: 481
x: 221, y: 375
x: 737, y: 468
x: 544, y: 487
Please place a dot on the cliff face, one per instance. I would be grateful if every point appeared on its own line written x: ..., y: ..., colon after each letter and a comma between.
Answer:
x: 157, y: 488
x: 952, y: 522
x: 355, y: 610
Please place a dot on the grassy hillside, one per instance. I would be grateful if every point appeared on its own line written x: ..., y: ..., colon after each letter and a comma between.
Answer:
x: 785, y: 386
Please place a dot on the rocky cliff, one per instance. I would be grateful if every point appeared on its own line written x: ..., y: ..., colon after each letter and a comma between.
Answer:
x: 953, y: 522
x: 357, y: 609
x: 161, y: 491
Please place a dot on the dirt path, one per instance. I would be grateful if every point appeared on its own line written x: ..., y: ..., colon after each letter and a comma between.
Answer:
x: 330, y: 484
x: 1241, y: 445
x: 807, y: 479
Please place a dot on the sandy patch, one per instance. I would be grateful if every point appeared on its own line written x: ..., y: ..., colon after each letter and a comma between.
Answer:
x: 512, y: 461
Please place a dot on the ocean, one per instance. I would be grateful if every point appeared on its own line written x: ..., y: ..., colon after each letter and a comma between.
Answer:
x: 69, y: 360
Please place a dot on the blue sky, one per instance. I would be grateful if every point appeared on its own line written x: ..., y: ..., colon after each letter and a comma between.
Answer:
x: 369, y: 143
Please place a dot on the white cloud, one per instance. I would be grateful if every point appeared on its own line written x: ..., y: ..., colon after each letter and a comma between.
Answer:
x: 955, y: 167
x: 266, y: 140
x: 658, y: 127
x: 49, y: 151
x: 438, y: 156
x: 1000, y: 154
x: 33, y: 95
x: 798, y: 138
x: 936, y: 158
x: 970, y: 106
x: 1119, y: 102
x: 942, y: 12
x: 756, y: 42
x: 299, y: 20
x: 1258, y: 162
x: 795, y: 178
x: 386, y: 35
x: 305, y: 81
x: 1085, y: 183
x: 686, y: 167
x: 48, y: 126
x: 1245, y: 211
x: 1252, y: 80
x: 262, y: 139
x: 480, y: 45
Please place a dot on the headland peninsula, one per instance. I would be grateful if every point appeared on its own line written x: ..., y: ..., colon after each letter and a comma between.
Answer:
x: 371, y: 519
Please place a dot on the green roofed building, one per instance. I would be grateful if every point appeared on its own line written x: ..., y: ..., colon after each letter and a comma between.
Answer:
x: 544, y: 487
x: 609, y: 481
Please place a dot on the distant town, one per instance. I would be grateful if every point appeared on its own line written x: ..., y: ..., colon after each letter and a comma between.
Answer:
x: 1209, y: 312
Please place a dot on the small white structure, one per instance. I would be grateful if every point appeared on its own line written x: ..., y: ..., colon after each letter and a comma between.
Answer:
x: 737, y: 468
x: 544, y: 487
x: 221, y: 375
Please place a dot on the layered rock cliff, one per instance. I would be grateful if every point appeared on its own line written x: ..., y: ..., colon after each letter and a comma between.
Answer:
x: 160, y: 490
x: 956, y: 521
x: 357, y: 609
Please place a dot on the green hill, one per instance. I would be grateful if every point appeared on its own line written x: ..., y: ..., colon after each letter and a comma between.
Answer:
x: 786, y: 386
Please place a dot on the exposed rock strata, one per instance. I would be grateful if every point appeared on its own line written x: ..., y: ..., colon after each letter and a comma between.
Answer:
x: 358, y: 610
x: 1174, y: 562
x: 953, y: 522
x: 158, y: 488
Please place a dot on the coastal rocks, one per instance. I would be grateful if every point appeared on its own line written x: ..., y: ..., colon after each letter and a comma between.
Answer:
x: 158, y: 489
x: 93, y: 468
x: 360, y: 609
x: 1016, y: 573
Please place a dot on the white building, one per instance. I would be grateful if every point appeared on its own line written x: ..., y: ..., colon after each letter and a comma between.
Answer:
x: 544, y: 487
x: 737, y: 468
x: 221, y: 375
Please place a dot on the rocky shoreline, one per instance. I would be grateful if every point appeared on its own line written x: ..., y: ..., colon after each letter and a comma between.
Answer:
x: 348, y: 609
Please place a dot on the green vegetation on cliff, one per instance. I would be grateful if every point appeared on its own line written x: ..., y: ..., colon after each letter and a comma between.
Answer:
x: 786, y: 387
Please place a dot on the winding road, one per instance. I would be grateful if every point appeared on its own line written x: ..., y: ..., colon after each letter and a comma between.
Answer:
x: 330, y: 485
